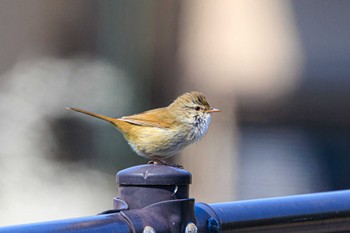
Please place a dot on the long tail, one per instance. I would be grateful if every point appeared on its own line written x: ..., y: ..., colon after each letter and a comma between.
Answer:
x: 105, y: 118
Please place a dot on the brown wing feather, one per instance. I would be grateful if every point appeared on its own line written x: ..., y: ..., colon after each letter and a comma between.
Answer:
x: 154, y: 118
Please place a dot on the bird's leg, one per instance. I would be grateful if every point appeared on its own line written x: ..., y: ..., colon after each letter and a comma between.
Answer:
x: 163, y: 162
x: 158, y: 161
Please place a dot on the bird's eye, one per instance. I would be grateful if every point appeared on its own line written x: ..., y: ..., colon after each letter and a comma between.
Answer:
x: 198, y: 108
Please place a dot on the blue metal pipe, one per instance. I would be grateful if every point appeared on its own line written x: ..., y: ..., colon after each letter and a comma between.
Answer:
x: 106, y: 223
x: 320, y: 212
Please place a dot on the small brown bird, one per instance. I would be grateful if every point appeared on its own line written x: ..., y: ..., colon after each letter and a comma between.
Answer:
x: 160, y: 133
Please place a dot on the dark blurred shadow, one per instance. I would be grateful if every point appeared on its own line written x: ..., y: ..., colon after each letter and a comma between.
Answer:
x: 74, y: 139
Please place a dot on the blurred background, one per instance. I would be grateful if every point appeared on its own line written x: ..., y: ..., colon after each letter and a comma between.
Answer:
x: 279, y: 70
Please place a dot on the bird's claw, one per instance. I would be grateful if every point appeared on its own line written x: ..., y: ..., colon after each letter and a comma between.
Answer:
x: 162, y: 162
x: 177, y: 165
x: 158, y: 162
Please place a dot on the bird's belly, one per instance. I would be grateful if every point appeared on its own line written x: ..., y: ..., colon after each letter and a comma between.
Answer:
x: 156, y: 142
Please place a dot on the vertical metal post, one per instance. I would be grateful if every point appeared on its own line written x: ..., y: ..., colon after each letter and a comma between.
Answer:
x: 155, y: 196
x: 143, y: 185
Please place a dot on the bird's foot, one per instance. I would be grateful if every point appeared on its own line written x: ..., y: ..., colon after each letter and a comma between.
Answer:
x: 163, y: 162
x: 177, y: 165
x: 158, y: 162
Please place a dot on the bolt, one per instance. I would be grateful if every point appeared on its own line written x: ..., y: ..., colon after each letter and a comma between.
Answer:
x: 148, y: 229
x: 213, y: 225
x: 191, y: 228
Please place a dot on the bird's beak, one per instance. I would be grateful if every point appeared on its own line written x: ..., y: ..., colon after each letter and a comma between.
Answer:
x: 214, y: 110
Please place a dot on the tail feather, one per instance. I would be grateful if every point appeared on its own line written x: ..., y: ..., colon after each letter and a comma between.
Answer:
x: 122, y: 126
x: 105, y: 118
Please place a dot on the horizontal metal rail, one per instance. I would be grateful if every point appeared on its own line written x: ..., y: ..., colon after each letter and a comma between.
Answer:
x: 321, y: 212
x: 107, y: 223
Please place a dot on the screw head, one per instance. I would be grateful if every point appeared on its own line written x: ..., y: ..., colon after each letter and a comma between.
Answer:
x: 149, y: 229
x: 213, y: 225
x: 191, y: 228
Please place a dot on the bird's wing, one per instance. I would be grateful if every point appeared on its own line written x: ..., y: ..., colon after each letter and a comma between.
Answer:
x: 154, y: 118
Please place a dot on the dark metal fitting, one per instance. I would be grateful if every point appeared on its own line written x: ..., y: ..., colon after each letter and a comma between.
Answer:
x: 166, y: 216
x: 143, y: 185
x: 207, y: 219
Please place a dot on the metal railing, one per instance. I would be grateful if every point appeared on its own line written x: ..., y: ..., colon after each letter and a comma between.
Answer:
x: 154, y: 198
